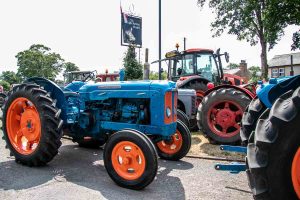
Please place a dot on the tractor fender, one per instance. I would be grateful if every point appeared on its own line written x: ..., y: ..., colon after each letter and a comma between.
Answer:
x: 55, y: 92
x: 241, y: 89
x: 181, y: 83
x: 268, y: 93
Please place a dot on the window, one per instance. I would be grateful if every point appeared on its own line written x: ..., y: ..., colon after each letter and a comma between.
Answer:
x: 274, y: 73
x: 206, y: 65
x: 281, y: 72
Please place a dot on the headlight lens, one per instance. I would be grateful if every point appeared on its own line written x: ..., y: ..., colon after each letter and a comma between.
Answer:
x: 168, y: 112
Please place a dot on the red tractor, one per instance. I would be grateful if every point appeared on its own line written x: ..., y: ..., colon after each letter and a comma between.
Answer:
x: 220, y: 102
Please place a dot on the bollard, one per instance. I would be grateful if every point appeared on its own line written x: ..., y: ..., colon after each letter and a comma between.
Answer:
x: 146, y: 66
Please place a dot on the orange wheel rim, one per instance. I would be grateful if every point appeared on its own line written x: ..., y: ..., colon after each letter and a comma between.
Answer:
x: 172, y: 146
x: 128, y: 160
x: 296, y: 173
x: 23, y: 126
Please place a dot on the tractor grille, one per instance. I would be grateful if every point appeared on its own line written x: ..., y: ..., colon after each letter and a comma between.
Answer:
x: 193, y: 107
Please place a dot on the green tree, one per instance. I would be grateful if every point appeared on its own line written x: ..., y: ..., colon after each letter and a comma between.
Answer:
x: 39, y: 61
x: 255, y: 72
x: 154, y: 75
x: 296, y: 40
x: 5, y: 85
x: 232, y: 66
x: 69, y: 67
x: 133, y: 69
x: 256, y: 21
x: 10, y: 77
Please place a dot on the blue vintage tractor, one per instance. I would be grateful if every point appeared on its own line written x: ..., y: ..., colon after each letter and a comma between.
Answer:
x: 270, y: 129
x: 134, y: 120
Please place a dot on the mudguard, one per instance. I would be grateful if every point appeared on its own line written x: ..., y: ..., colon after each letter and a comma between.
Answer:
x: 55, y: 92
x: 270, y: 91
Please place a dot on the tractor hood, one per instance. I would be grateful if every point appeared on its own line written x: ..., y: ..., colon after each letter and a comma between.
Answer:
x: 162, y: 86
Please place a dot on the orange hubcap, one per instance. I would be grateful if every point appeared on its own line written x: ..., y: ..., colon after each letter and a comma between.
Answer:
x: 296, y: 173
x: 128, y: 160
x: 23, y: 126
x: 172, y: 146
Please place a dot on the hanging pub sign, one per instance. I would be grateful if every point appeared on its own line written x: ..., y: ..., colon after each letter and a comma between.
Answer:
x: 131, y: 30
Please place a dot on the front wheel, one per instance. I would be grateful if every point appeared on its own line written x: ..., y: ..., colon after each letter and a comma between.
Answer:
x: 178, y: 145
x: 130, y: 159
x: 183, y: 117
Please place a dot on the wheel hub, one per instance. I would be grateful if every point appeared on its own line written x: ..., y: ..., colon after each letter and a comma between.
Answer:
x: 296, y: 173
x: 128, y: 160
x: 23, y: 126
x: 225, y: 118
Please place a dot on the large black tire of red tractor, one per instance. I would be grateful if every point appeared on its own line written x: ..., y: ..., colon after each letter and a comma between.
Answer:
x: 183, y: 117
x: 220, y: 95
x: 149, y: 152
x: 185, y: 147
x: 272, y: 147
x: 250, y: 117
x: 51, y: 125
x: 196, y: 85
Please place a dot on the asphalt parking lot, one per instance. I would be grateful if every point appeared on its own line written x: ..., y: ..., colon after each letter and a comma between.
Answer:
x: 78, y: 173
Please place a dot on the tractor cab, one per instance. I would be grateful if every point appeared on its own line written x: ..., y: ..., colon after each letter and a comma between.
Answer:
x: 195, y: 62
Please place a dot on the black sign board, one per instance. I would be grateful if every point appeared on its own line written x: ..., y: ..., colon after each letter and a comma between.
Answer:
x: 131, y: 30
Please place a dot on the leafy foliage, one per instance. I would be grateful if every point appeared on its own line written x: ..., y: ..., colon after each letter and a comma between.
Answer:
x: 5, y: 85
x: 39, y: 61
x: 296, y: 41
x: 256, y: 21
x: 232, y: 66
x: 10, y: 77
x: 133, y: 69
x: 69, y: 67
x: 154, y: 75
x: 255, y: 74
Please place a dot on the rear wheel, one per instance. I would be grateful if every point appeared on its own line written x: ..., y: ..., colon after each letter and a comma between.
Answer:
x: 220, y: 113
x: 249, y: 119
x: 130, y: 159
x: 31, y: 125
x: 178, y: 145
x: 273, y: 156
x: 183, y: 117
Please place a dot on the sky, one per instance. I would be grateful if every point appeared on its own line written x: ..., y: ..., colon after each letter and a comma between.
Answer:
x: 87, y: 32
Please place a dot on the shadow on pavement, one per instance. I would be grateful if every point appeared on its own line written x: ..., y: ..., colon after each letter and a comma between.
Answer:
x: 85, y: 167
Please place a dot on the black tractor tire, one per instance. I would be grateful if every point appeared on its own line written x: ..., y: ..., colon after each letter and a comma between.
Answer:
x: 2, y: 99
x: 185, y: 134
x: 249, y: 119
x: 272, y: 147
x: 91, y: 143
x: 50, y: 122
x: 144, y: 144
x: 216, y: 98
x: 183, y: 117
x: 196, y: 85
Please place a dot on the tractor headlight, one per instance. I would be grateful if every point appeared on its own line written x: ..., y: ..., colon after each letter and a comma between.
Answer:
x: 168, y: 112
